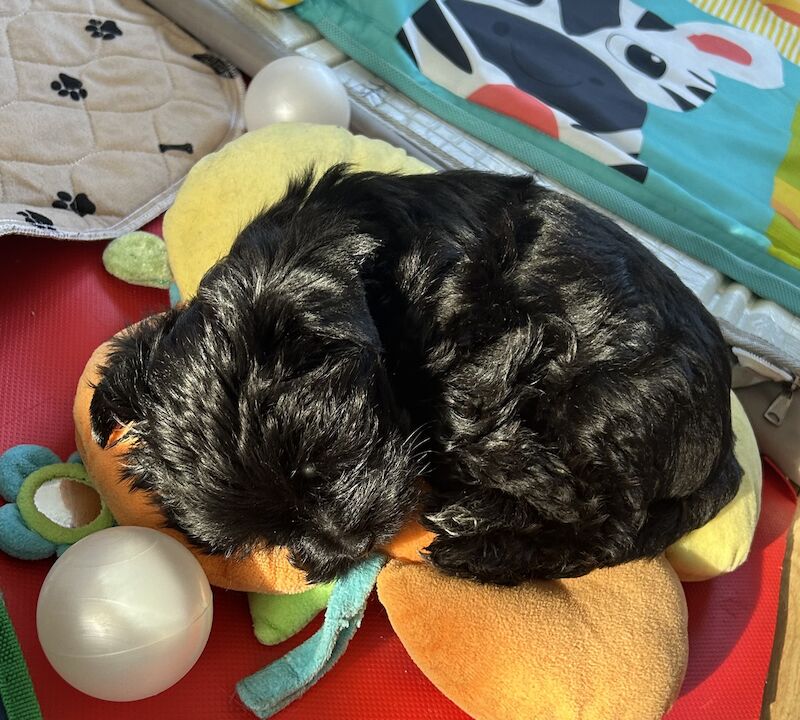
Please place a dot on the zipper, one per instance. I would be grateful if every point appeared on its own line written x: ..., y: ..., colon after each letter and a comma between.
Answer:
x: 779, y: 408
x: 789, y: 382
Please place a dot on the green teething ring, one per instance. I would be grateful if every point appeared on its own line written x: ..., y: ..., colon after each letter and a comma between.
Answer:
x: 40, y: 523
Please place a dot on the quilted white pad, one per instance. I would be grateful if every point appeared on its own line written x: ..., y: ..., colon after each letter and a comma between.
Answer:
x: 104, y: 107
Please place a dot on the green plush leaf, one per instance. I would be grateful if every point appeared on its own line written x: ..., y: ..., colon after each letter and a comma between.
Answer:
x: 139, y: 258
x: 278, y: 617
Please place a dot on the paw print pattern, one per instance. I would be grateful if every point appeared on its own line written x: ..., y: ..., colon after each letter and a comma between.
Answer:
x: 222, y: 67
x: 66, y: 85
x: 34, y: 218
x: 105, y: 29
x: 80, y: 204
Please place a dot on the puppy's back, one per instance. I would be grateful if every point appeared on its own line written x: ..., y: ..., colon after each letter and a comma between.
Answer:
x: 576, y: 391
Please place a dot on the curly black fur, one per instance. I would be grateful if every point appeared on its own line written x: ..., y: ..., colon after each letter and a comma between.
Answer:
x: 562, y: 393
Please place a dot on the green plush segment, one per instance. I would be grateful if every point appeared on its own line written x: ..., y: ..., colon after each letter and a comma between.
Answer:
x: 278, y: 617
x: 16, y: 689
x: 43, y: 525
x: 139, y: 258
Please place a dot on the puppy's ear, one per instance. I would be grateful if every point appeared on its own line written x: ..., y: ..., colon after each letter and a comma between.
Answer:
x: 121, y: 393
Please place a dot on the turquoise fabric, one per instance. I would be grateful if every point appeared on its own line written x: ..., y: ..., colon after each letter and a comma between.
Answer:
x: 273, y: 688
x: 174, y: 294
x: 17, y: 537
x: 18, y: 540
x: 711, y: 170
x: 17, y: 463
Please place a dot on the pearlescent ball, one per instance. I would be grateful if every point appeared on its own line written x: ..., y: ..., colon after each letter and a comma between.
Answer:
x: 124, y: 613
x: 296, y: 89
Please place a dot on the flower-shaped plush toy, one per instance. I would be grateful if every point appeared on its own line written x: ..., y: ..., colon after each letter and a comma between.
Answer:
x: 50, y: 504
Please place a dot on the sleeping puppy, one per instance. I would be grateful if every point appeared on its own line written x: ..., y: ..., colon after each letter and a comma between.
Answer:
x: 469, y: 347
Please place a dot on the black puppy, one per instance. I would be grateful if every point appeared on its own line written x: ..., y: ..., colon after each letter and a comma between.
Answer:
x: 563, y: 395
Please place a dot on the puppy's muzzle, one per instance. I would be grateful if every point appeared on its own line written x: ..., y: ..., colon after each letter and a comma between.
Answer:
x: 324, y: 558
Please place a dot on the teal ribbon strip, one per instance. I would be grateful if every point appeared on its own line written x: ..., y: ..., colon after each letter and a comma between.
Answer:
x: 273, y: 688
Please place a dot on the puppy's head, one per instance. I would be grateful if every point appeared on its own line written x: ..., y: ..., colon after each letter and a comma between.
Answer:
x: 260, y: 412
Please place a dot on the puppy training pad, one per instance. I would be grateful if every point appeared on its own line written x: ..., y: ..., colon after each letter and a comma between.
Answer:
x: 105, y: 105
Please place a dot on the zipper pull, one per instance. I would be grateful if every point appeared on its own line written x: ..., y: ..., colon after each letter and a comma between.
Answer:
x: 779, y: 408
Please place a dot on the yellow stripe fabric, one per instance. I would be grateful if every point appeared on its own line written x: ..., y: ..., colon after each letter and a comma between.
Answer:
x: 784, y: 230
x: 754, y: 16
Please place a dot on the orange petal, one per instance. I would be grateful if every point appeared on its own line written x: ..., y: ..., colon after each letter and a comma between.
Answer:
x: 611, y: 644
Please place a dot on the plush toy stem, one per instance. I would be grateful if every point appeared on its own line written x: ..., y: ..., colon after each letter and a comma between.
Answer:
x: 278, y: 617
x: 273, y: 688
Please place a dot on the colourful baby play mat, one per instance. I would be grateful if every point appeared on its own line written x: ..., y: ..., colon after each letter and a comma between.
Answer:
x: 681, y: 117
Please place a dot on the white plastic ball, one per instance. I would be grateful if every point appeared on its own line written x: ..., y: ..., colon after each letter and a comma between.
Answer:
x: 124, y: 613
x: 296, y: 89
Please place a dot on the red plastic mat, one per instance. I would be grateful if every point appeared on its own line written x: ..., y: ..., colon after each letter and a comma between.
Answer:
x: 732, y: 620
x: 57, y: 304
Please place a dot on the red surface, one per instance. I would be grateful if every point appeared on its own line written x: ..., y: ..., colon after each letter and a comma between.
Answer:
x: 57, y: 304
x: 732, y: 620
